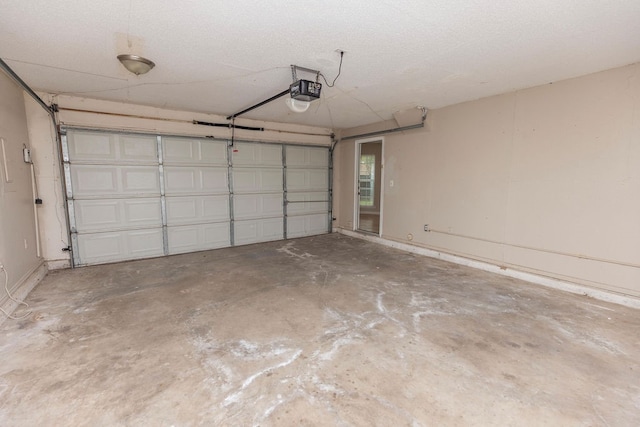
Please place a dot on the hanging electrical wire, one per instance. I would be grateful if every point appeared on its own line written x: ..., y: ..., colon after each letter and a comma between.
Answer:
x: 338, y: 75
x: 11, y: 297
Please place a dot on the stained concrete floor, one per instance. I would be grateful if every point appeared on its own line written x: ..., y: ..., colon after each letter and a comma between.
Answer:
x: 328, y: 330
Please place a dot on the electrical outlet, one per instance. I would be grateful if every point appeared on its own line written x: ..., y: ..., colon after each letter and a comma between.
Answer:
x: 426, y: 227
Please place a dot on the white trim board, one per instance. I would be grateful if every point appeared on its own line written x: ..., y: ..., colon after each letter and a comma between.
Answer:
x: 549, y: 282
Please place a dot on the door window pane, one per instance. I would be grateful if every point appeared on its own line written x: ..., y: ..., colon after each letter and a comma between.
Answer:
x: 367, y: 179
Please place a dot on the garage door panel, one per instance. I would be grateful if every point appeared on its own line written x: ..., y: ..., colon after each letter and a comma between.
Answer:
x: 306, y: 203
x: 194, y: 180
x: 143, y: 213
x: 190, y: 238
x: 307, y: 180
x: 307, y: 157
x: 92, y: 146
x: 194, y: 151
x: 257, y: 206
x: 259, y: 155
x: 197, y: 209
x: 144, y: 243
x: 97, y: 215
x: 138, y: 148
x: 98, y: 147
x: 92, y: 180
x: 140, y: 180
x: 307, y: 225
x: 104, y: 180
x: 117, y: 214
x: 215, y: 180
x: 258, y: 230
x: 103, y: 247
x: 97, y: 248
x: 250, y: 180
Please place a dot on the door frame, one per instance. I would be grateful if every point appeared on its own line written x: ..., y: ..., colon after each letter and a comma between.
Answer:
x: 356, y: 182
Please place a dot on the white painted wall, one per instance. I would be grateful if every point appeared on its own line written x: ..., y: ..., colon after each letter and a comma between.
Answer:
x: 17, y: 218
x: 543, y: 180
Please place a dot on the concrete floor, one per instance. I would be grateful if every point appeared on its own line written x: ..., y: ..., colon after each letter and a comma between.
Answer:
x: 328, y: 330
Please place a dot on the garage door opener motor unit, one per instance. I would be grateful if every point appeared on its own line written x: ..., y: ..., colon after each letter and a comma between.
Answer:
x: 301, y: 92
x: 305, y: 90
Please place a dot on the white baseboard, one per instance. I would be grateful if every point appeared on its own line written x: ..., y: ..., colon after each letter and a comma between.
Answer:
x: 22, y: 290
x: 549, y: 282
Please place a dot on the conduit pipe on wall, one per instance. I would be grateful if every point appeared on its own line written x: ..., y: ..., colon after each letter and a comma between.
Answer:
x: 334, y: 142
x: 36, y: 199
x: 392, y: 130
x: 568, y: 254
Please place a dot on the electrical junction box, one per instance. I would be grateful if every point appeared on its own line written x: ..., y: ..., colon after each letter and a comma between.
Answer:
x: 26, y: 155
x: 305, y: 90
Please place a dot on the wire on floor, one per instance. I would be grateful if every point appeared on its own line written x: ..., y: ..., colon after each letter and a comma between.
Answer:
x: 6, y: 288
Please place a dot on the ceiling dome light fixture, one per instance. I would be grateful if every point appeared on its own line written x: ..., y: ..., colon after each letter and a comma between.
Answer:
x: 136, y: 64
x: 297, y: 106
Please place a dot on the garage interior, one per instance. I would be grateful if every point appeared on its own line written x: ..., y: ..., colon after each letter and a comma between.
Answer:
x: 410, y: 214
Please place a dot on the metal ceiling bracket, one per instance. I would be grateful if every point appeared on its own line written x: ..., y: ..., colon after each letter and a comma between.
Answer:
x: 295, y: 68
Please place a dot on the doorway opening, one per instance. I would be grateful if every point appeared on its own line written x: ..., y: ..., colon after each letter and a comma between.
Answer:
x: 368, y: 200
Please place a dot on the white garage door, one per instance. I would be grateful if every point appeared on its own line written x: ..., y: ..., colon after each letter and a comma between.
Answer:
x: 132, y: 196
x: 307, y: 181
x: 115, y: 203
x: 258, y: 198
x: 196, y: 186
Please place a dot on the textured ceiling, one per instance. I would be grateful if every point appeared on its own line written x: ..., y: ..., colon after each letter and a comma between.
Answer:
x: 220, y: 56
